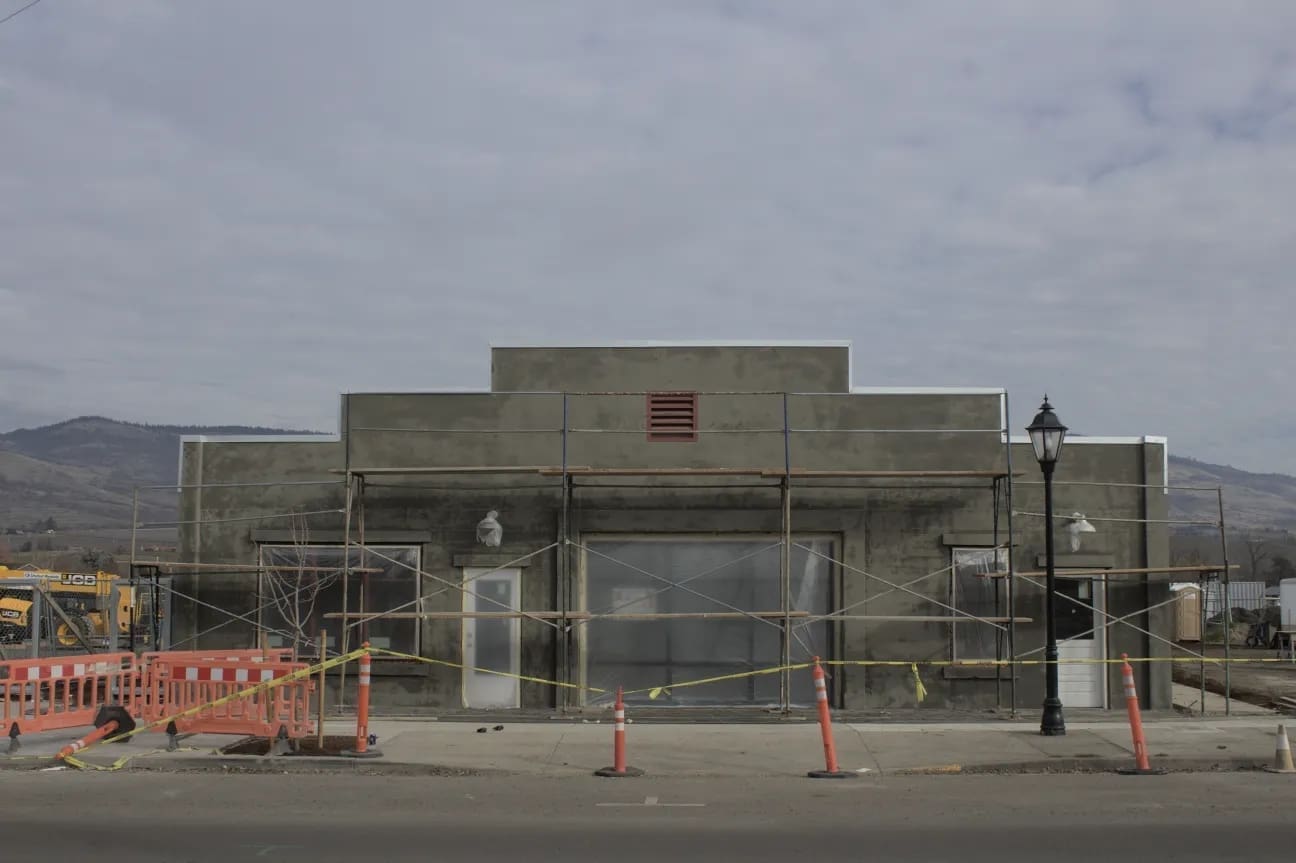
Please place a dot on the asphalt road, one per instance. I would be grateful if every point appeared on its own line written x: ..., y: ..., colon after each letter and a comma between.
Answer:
x: 177, y: 818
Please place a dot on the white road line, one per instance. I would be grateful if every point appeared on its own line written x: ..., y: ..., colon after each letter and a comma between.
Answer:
x: 652, y: 801
x: 268, y: 849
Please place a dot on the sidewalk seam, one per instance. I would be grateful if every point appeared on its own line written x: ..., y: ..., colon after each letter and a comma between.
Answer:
x: 877, y: 765
x: 549, y: 761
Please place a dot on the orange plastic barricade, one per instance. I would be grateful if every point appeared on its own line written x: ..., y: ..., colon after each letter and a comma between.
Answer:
x: 63, y: 692
x: 175, y: 686
x: 278, y: 654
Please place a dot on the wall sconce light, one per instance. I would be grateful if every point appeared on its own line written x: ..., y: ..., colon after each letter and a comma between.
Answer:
x: 1076, y: 526
x: 489, y: 530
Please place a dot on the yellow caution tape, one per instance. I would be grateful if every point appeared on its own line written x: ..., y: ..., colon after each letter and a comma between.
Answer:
x: 990, y: 663
x: 73, y: 761
x: 920, y: 691
x: 655, y: 692
x: 462, y: 667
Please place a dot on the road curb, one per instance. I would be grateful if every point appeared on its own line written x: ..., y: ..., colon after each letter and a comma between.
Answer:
x: 326, y: 764
x: 1102, y: 765
x: 263, y: 764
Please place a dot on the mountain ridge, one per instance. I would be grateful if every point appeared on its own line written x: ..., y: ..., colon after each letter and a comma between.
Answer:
x: 82, y: 472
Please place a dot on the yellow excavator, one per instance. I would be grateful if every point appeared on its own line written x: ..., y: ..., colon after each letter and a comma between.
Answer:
x: 84, y: 597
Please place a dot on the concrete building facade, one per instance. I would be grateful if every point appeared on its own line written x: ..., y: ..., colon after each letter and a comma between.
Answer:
x: 667, y: 513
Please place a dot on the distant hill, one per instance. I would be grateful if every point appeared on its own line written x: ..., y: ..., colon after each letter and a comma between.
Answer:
x: 82, y: 473
x: 1253, y: 502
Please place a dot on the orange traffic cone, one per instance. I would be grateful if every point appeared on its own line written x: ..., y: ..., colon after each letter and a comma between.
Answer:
x: 618, y: 767
x: 1282, y: 754
x: 831, y: 770
x: 1141, y: 765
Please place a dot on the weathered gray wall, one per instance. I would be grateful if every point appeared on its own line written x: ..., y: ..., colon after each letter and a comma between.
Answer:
x: 807, y: 369
x: 856, y: 432
x: 210, y: 537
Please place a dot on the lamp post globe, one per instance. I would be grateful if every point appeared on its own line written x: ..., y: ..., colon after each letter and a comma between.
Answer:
x: 1047, y: 434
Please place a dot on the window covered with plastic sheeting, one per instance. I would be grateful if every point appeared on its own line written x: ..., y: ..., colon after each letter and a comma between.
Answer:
x: 302, y: 583
x: 975, y: 590
x: 649, y: 577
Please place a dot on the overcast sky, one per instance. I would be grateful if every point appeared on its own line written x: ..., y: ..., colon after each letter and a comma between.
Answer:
x: 229, y: 212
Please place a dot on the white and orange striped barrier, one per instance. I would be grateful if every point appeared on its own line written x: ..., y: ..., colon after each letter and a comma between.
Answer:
x: 203, y: 690
x: 111, y: 721
x: 1282, y: 754
x: 831, y: 770
x: 619, y: 767
x: 362, y: 749
x: 1141, y: 767
x: 149, y: 659
x: 63, y: 692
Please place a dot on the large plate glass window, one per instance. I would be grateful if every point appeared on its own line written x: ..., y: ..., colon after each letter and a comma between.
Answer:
x: 692, y: 576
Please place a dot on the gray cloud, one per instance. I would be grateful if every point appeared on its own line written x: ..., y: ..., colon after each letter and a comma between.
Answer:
x: 231, y: 212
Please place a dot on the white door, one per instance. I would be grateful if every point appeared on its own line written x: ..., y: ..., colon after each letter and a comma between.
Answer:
x: 492, y: 644
x: 1081, y: 634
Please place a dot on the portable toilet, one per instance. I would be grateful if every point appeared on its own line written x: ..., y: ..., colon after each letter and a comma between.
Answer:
x: 1287, y: 603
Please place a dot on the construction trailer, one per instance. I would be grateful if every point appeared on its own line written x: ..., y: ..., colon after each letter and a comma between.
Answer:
x: 670, y: 513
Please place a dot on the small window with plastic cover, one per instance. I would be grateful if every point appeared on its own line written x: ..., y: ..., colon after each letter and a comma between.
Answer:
x: 976, y: 590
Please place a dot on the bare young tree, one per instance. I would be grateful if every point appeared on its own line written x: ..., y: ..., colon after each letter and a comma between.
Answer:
x: 295, y: 586
x: 1258, y: 551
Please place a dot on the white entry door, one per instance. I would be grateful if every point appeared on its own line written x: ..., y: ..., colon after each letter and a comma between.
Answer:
x: 492, y: 643
x: 1081, y: 634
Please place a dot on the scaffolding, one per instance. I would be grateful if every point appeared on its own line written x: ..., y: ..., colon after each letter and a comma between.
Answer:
x: 1206, y: 574
x: 782, y: 478
x: 571, y: 482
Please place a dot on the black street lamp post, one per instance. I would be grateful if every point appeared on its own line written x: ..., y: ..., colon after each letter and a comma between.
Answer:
x: 1046, y: 435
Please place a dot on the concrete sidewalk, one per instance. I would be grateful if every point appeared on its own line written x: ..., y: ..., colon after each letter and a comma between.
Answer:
x: 560, y: 749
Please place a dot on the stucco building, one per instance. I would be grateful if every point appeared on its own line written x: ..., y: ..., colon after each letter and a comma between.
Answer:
x: 665, y: 513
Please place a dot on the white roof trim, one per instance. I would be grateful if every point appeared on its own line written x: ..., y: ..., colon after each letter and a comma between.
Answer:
x: 1126, y: 440
x: 441, y: 391
x: 685, y: 343
x: 246, y: 438
x: 1131, y: 440
x: 928, y: 391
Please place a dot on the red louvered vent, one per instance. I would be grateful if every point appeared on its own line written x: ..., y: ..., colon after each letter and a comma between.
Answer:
x: 672, y: 416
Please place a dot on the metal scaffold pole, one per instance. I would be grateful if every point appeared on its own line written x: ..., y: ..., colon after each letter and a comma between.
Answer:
x: 1012, y: 560
x: 134, y: 606
x: 785, y: 562
x: 1228, y: 611
x: 563, y: 636
x: 1203, y: 585
x: 998, y: 605
x: 346, y: 581
x: 364, y: 572
x: 197, y: 536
